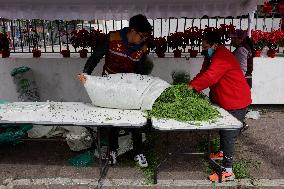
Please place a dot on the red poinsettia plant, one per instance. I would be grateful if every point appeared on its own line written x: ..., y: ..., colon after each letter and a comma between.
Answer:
x: 274, y: 38
x: 224, y: 31
x: 193, y: 36
x: 4, y: 42
x: 95, y: 38
x: 159, y: 45
x: 176, y: 40
x: 259, y: 39
x: 80, y: 38
x: 267, y: 7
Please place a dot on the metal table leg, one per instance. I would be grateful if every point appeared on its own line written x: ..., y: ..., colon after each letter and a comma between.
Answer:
x: 103, y: 167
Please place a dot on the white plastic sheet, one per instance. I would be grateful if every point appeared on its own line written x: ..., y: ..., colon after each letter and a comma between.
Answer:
x: 125, y: 91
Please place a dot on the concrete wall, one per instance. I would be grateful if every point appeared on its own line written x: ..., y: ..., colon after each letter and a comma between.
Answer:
x: 56, y: 77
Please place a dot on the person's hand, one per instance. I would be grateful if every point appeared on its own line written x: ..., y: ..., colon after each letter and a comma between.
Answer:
x: 189, y: 87
x: 82, y: 78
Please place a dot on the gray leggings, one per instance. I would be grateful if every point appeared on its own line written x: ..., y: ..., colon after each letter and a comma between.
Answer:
x: 227, y: 138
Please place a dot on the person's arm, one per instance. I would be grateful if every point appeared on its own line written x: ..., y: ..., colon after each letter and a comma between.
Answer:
x: 212, y: 75
x: 242, y: 55
x: 99, y: 51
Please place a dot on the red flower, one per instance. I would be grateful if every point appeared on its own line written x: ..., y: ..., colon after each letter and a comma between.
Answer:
x: 176, y: 40
x: 80, y: 38
x: 158, y: 44
x: 95, y: 38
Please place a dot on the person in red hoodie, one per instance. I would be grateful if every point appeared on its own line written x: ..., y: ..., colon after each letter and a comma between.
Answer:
x: 221, y: 72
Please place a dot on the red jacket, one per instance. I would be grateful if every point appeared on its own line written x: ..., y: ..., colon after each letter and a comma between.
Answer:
x: 228, y: 86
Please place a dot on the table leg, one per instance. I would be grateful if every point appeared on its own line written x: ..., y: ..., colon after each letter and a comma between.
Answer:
x: 103, y: 167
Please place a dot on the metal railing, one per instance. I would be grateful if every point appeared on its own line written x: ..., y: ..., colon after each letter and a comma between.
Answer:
x: 53, y: 36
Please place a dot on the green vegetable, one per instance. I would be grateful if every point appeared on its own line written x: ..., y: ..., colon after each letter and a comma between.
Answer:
x: 179, y: 103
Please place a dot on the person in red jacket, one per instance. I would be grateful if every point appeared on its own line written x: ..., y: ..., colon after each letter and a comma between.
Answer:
x: 221, y: 72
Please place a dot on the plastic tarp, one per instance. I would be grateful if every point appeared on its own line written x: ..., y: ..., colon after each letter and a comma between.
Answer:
x: 123, y: 9
x: 125, y: 91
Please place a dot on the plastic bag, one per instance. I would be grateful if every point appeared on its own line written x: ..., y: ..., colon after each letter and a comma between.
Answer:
x: 125, y: 91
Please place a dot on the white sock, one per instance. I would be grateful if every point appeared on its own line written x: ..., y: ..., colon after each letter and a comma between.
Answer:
x: 230, y: 170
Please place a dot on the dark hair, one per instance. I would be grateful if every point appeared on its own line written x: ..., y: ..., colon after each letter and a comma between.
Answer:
x: 212, y: 37
x: 249, y: 44
x: 140, y: 24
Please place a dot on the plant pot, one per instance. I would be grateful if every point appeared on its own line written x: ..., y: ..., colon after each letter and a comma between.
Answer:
x: 177, y: 53
x: 258, y: 53
x: 5, y: 53
x: 160, y: 54
x: 65, y: 53
x: 271, y: 53
x: 193, y: 53
x: 83, y: 53
x: 36, y: 53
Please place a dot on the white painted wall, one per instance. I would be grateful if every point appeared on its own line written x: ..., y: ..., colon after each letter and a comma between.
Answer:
x: 268, y: 81
x: 57, y: 81
x: 56, y: 76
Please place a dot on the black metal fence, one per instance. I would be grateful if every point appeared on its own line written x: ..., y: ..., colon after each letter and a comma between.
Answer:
x: 53, y: 36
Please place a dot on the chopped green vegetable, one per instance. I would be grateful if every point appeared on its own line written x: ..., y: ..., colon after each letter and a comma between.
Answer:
x: 179, y: 103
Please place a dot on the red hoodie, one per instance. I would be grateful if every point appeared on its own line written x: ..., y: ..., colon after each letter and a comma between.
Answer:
x: 225, y: 78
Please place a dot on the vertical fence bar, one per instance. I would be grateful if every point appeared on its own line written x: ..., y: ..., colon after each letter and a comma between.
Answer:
x: 113, y: 23
x: 264, y: 23
x: 200, y: 19
x: 169, y: 32
x: 177, y: 25
x: 43, y: 35
x: 59, y: 37
x: 4, y: 27
x: 29, y: 39
x: 35, y: 35
x: 161, y: 27
x: 51, y: 36
x: 98, y: 24
x: 67, y: 34
x: 106, y: 26
x: 256, y: 18
x: 13, y: 35
x: 153, y: 28
x: 184, y: 27
x: 74, y: 28
x: 21, y: 37
x: 272, y: 22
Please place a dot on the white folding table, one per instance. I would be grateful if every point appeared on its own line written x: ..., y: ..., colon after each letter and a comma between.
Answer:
x: 72, y: 113
x: 226, y: 121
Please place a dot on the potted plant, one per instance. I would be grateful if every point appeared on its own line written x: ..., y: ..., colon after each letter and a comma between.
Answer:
x: 4, y: 45
x: 80, y: 39
x: 274, y: 39
x: 259, y: 41
x: 36, y: 53
x: 225, y: 31
x: 159, y: 45
x: 193, y: 37
x: 176, y: 40
x: 95, y: 38
x: 65, y: 53
x: 267, y: 8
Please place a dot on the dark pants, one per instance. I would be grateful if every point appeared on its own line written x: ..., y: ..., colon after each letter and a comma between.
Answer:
x: 227, y: 138
x: 136, y: 137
